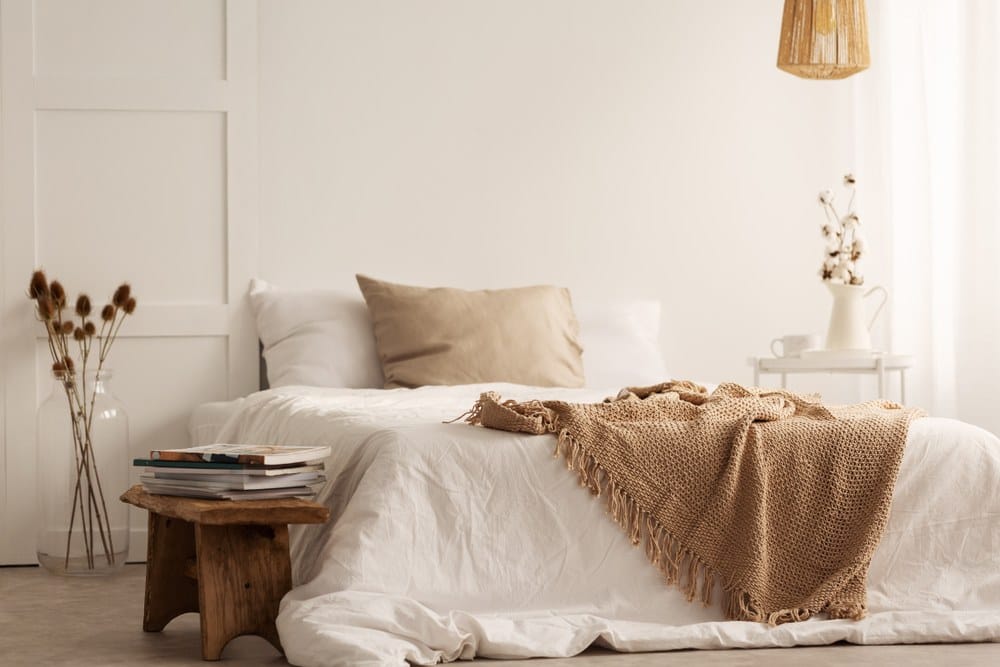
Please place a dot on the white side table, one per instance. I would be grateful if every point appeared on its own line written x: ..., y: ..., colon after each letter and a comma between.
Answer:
x: 878, y: 366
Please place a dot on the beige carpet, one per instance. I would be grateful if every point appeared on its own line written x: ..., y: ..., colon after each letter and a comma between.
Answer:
x: 46, y: 620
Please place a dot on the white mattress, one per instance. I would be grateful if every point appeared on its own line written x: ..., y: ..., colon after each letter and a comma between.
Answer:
x: 448, y: 541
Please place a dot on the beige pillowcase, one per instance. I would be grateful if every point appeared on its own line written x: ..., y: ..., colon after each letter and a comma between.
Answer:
x: 445, y: 336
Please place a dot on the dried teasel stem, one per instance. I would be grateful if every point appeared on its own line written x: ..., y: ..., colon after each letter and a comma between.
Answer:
x: 123, y: 292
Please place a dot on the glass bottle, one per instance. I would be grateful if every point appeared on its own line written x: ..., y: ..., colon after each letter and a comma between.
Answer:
x: 83, y: 467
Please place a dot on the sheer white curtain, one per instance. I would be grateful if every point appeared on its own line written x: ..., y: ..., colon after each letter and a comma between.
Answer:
x: 928, y: 128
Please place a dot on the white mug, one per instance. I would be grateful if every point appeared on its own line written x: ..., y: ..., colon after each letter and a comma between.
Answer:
x: 794, y: 345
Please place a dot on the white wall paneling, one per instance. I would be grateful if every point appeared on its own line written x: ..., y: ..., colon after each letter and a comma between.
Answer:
x: 132, y: 39
x: 129, y: 134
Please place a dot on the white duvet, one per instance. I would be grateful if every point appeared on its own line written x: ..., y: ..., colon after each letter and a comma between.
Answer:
x: 448, y: 541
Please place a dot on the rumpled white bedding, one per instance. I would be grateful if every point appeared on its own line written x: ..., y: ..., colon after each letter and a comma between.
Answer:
x: 448, y: 542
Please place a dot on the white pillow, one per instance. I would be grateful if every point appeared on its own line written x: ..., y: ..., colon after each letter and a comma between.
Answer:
x: 320, y: 338
x: 621, y: 343
x: 324, y: 338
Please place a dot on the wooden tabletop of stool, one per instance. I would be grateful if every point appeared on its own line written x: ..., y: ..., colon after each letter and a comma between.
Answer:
x: 228, y: 512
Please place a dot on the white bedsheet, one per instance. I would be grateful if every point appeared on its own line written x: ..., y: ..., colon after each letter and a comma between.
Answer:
x: 448, y: 541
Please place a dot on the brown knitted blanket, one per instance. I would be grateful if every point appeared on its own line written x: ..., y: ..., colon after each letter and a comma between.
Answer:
x: 778, y: 498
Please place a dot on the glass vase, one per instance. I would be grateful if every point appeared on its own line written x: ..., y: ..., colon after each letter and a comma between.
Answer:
x: 83, y: 467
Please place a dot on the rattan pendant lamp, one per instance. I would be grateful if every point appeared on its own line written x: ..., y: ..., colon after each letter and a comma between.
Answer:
x: 824, y: 39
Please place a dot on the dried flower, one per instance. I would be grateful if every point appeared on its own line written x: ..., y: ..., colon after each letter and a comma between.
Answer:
x: 83, y: 305
x: 121, y: 295
x: 58, y: 294
x: 843, y: 243
x: 50, y: 300
x: 46, y: 309
x: 38, y: 288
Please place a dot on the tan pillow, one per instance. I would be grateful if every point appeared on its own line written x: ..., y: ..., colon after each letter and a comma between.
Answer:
x: 444, y: 336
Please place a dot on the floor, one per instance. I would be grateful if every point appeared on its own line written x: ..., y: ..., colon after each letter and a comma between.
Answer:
x: 47, y: 620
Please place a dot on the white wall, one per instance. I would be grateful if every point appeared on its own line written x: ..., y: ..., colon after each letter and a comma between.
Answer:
x: 647, y: 148
x: 642, y: 148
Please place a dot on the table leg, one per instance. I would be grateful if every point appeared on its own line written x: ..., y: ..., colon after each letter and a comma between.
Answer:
x: 170, y: 590
x: 902, y: 386
x: 784, y: 380
x: 243, y: 572
x: 756, y: 372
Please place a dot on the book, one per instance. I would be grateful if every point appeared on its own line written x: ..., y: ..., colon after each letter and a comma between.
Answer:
x: 234, y: 483
x: 243, y: 454
x: 290, y: 492
x: 206, y: 468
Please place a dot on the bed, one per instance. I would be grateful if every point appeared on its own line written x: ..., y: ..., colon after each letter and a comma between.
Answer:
x: 448, y: 541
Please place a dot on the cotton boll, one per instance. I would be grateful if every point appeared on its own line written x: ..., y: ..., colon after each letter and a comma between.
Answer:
x: 850, y: 222
x: 841, y: 274
x: 833, y: 244
x: 844, y: 268
x: 826, y: 197
x: 860, y: 244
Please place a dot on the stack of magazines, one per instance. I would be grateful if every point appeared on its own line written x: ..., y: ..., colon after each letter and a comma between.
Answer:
x: 234, y: 472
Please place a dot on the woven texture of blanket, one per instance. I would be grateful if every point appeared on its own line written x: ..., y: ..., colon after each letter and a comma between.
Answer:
x: 777, y: 497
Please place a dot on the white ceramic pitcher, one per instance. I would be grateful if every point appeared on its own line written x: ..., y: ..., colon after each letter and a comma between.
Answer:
x: 848, y: 329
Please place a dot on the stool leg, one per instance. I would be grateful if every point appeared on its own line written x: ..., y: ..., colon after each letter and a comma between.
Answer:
x: 170, y: 590
x: 243, y: 572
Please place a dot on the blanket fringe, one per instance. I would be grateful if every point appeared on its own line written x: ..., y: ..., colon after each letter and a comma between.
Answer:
x: 678, y: 565
x: 854, y: 612
x: 526, y: 417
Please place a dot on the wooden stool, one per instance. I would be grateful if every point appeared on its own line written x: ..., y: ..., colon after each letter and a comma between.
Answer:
x: 227, y: 560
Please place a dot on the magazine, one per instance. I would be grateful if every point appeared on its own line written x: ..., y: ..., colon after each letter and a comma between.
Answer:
x: 235, y: 483
x: 207, y: 468
x: 243, y: 454
x: 226, y: 494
